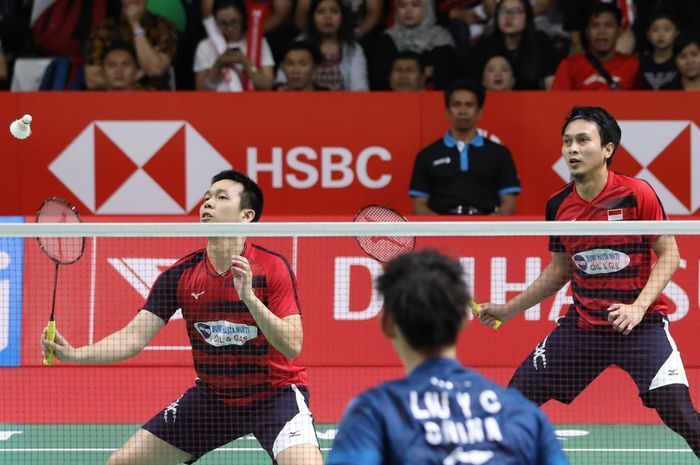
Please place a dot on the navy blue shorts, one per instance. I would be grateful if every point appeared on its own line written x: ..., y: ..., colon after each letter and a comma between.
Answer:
x: 570, y: 358
x: 198, y: 422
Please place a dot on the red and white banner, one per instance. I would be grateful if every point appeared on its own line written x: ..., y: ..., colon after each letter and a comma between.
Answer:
x: 153, y: 153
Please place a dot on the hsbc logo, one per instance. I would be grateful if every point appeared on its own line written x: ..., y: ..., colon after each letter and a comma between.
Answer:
x: 666, y: 154
x: 138, y: 167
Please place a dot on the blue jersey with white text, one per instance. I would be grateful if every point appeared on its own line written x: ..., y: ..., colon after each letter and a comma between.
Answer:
x: 444, y: 414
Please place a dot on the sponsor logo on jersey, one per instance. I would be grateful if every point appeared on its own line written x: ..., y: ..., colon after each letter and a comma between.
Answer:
x: 224, y: 333
x: 601, y: 261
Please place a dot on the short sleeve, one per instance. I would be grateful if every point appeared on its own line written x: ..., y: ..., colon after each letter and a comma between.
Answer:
x: 162, y: 301
x: 283, y: 297
x: 649, y: 207
x: 204, y: 56
x: 555, y: 244
x: 508, y: 181
x: 420, y: 184
x: 359, y: 439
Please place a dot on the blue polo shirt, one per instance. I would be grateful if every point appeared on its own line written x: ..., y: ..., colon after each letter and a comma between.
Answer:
x: 459, y: 178
x: 444, y: 413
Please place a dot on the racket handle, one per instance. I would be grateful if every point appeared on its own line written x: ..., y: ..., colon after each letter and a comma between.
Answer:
x: 476, y: 308
x: 50, y: 336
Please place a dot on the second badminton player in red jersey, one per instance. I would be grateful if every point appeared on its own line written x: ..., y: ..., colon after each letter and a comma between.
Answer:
x: 617, y: 317
x: 241, y: 306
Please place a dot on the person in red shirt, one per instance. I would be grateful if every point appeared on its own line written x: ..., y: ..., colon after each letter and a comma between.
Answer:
x: 583, y: 72
x: 240, y: 303
x: 618, y: 316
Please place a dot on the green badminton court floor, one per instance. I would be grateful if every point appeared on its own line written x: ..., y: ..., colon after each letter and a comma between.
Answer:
x: 92, y: 444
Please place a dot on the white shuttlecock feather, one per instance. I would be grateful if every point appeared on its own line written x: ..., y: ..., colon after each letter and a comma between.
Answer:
x: 21, y: 128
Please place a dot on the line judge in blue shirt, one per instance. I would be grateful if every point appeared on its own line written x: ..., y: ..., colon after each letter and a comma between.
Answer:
x: 464, y: 172
x: 441, y: 413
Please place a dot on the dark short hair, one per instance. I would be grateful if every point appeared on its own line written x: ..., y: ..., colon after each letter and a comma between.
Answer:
x: 662, y: 13
x: 409, y: 55
x: 426, y: 295
x: 238, y: 5
x: 121, y: 45
x: 600, y: 8
x: 307, y: 46
x: 251, y: 197
x: 683, y: 40
x: 471, y: 86
x: 608, y: 128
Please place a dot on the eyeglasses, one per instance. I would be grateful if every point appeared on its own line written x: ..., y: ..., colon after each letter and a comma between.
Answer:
x: 515, y: 11
x: 230, y: 24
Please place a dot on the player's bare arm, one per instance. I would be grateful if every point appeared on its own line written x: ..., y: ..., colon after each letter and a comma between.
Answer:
x: 125, y: 343
x: 625, y: 317
x: 285, y: 334
x: 552, y: 278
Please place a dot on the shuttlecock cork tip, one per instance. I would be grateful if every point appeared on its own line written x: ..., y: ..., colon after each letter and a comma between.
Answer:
x: 27, y: 119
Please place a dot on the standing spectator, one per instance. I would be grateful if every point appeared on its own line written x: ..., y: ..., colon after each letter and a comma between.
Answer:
x: 530, y: 51
x: 154, y: 39
x: 601, y: 68
x: 498, y: 74
x: 464, y: 173
x: 230, y: 69
x: 415, y: 30
x: 425, y: 301
x: 298, y: 67
x: 686, y: 52
x: 658, y: 68
x: 120, y: 68
x: 407, y: 73
x: 344, y: 66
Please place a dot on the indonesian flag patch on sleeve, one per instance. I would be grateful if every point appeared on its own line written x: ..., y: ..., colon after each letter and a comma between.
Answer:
x: 615, y: 214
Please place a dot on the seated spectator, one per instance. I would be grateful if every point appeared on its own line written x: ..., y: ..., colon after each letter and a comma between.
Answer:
x: 367, y: 15
x: 407, y: 73
x: 530, y: 51
x: 540, y: 10
x: 298, y: 67
x: 415, y: 31
x: 498, y: 74
x: 154, y: 39
x: 344, y: 66
x: 222, y: 64
x: 686, y: 53
x: 602, y: 67
x: 658, y: 68
x: 120, y: 68
x: 576, y: 13
x: 464, y: 173
x: 278, y: 26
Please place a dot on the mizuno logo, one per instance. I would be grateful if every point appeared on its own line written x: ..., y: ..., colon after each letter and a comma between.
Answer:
x: 197, y: 294
x: 673, y: 372
x: 293, y: 434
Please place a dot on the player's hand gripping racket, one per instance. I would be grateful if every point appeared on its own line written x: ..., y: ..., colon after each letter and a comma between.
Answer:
x: 61, y: 250
x: 385, y: 248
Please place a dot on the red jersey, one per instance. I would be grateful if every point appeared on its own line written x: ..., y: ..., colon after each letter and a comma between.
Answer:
x: 577, y: 73
x: 607, y: 269
x: 231, y: 355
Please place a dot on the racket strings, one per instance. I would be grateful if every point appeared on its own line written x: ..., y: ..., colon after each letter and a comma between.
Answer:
x: 63, y: 250
x: 383, y: 248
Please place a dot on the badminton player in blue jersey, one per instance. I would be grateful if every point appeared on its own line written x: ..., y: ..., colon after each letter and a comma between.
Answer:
x: 441, y: 412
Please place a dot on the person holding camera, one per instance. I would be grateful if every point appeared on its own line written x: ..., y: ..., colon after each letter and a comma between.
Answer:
x: 229, y: 68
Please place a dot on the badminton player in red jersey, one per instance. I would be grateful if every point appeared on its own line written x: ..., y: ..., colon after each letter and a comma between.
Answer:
x: 617, y: 317
x: 241, y: 306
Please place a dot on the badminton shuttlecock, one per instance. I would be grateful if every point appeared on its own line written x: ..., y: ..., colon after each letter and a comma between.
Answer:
x: 20, y: 128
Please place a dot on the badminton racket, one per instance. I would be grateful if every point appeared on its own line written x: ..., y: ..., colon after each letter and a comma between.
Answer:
x: 61, y: 250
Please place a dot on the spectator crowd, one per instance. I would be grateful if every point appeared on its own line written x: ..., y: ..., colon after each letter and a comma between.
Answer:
x: 352, y: 45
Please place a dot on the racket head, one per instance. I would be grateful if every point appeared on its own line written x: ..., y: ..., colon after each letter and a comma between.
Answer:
x: 62, y: 250
x: 383, y: 248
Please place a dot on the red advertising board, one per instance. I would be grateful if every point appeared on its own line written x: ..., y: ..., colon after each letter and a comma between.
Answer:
x: 330, y: 154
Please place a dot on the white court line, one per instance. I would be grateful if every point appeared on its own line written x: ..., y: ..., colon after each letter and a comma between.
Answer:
x: 93, y: 285
x: 627, y: 450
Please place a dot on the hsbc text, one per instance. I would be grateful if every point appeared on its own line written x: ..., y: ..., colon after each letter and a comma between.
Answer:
x: 328, y: 167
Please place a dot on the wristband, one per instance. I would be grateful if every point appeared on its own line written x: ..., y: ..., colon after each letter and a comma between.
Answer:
x: 139, y: 32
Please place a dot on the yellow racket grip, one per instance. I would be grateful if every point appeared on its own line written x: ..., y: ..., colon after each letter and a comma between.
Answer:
x: 50, y: 336
x: 476, y: 308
